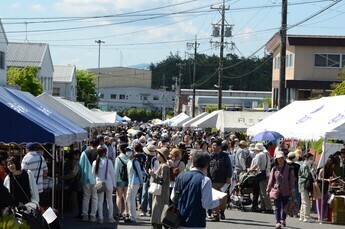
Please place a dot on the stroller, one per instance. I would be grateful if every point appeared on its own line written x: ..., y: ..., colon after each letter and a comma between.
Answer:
x: 241, y: 194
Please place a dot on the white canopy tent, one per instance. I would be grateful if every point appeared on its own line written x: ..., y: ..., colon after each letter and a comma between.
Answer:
x: 178, y: 122
x: 208, y: 121
x: 75, y: 111
x: 196, y: 118
x: 170, y: 121
x: 239, y: 120
x: 109, y: 116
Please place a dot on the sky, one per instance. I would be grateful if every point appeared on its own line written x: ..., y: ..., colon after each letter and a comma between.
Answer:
x: 138, y: 32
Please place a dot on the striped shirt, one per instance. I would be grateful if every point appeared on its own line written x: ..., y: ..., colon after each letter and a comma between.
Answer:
x: 31, y: 161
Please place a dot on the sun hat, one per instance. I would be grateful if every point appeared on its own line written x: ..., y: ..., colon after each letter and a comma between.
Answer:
x: 142, y: 139
x: 150, y: 150
x: 164, y: 152
x: 279, y: 154
x: 291, y: 157
x: 259, y: 147
x: 30, y: 146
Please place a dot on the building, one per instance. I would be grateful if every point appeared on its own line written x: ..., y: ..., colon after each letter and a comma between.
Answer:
x: 312, y: 65
x: 117, y: 77
x: 65, y: 82
x: 137, y: 97
x: 231, y: 99
x: 33, y: 54
x: 3, y: 49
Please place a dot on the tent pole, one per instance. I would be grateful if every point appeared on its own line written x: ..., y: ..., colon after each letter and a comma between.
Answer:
x: 53, y: 175
x: 323, y: 178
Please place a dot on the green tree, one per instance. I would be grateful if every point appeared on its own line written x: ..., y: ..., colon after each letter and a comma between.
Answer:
x: 213, y: 107
x: 339, y: 88
x: 86, y: 89
x: 25, y: 78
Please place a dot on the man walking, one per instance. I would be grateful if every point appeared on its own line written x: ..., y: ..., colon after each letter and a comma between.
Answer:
x: 195, y: 193
x: 220, y: 173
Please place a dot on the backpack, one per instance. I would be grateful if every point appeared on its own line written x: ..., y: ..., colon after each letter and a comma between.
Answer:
x: 123, y: 171
x: 145, y: 175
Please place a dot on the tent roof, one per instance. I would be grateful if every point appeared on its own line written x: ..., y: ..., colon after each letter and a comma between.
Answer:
x: 307, y: 120
x: 239, y: 120
x: 178, y: 122
x: 208, y: 121
x: 109, y: 116
x: 170, y: 121
x: 196, y: 118
x: 74, y: 110
x: 26, y: 119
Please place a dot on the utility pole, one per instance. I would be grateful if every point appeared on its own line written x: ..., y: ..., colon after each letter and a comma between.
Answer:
x: 178, y: 89
x: 282, y: 70
x: 195, y: 45
x: 99, y: 42
x: 164, y: 99
x: 222, y: 44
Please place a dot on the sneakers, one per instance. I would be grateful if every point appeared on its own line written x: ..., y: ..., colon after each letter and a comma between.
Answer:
x: 300, y: 219
x: 283, y: 222
x: 215, y: 219
x: 85, y: 218
x: 93, y: 219
x: 143, y: 214
x: 100, y: 221
x: 278, y: 225
x: 128, y: 220
x: 308, y: 221
x: 111, y: 220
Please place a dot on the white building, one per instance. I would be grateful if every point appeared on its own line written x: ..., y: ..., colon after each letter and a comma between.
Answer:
x: 136, y: 97
x: 33, y: 54
x: 3, y: 49
x: 65, y: 82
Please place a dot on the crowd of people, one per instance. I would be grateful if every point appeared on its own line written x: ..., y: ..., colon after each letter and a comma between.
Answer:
x: 195, y: 162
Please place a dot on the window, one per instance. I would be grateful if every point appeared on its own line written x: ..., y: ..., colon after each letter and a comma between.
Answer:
x: 155, y: 97
x: 122, y: 96
x: 343, y: 60
x: 113, y: 96
x: 289, y: 60
x: 276, y: 62
x: 56, y: 91
x: 2, y: 60
x: 328, y: 60
x: 101, y: 96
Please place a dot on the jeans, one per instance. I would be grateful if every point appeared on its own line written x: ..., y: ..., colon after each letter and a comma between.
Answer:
x: 279, y: 204
x: 305, y: 205
x: 131, y: 195
x: 89, y: 193
x: 146, y: 198
x: 110, y: 205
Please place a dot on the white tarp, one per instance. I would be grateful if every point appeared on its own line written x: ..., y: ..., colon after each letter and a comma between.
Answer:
x: 208, y: 121
x: 307, y: 120
x: 239, y: 121
x: 75, y: 111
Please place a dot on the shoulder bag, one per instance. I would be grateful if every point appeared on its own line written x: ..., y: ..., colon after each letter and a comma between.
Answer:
x: 101, y: 186
x: 171, y: 215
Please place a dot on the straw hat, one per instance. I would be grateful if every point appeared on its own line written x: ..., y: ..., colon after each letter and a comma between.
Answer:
x: 279, y: 154
x: 259, y: 147
x: 291, y: 157
x: 150, y: 150
x: 163, y: 152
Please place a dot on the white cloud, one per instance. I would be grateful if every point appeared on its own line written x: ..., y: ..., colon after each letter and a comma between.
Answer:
x: 15, y: 5
x: 37, y: 8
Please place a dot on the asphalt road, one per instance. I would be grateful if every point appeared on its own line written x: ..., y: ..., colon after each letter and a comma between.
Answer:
x: 234, y: 219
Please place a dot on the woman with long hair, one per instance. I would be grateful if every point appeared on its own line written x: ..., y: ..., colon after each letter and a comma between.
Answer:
x: 103, y: 171
x: 21, y: 183
x: 325, y: 174
x: 121, y: 185
x: 162, y: 176
x: 280, y: 187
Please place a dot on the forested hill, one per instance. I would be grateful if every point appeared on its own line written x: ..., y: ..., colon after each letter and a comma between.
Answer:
x: 240, y: 73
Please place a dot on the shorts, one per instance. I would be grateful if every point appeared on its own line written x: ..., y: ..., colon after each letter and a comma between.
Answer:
x: 122, y: 184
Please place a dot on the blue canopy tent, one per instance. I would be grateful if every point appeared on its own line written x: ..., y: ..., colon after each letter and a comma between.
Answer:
x: 119, y: 118
x: 26, y: 119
